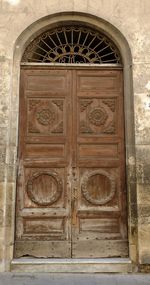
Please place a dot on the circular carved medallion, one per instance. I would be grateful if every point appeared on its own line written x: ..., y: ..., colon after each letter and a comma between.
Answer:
x: 98, y: 187
x: 44, y: 188
x: 98, y: 116
x: 45, y: 116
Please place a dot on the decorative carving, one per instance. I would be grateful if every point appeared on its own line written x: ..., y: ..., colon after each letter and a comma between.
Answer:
x: 84, y: 104
x: 33, y: 103
x: 110, y: 103
x: 110, y: 129
x: 84, y: 128
x: 44, y: 188
x: 59, y: 128
x: 98, y: 116
x: 32, y: 128
x: 45, y: 116
x: 98, y: 187
x: 58, y: 103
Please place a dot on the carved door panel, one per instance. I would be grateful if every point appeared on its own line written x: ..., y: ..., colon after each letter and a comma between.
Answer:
x: 43, y: 195
x: 71, y: 199
x: 99, y: 210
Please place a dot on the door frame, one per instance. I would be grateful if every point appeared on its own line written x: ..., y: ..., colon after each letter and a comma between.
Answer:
x: 26, y: 36
x: 70, y: 265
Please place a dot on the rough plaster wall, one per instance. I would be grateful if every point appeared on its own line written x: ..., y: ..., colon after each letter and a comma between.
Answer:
x: 132, y: 19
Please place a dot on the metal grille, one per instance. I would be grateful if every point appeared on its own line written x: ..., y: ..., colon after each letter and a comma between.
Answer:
x: 73, y: 44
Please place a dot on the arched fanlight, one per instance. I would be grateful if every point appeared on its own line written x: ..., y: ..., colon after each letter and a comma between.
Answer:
x: 72, y: 44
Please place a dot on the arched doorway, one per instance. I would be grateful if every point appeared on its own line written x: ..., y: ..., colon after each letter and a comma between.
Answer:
x: 71, y: 193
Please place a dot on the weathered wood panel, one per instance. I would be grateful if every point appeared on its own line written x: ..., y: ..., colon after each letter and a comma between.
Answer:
x: 42, y: 249
x: 97, y: 248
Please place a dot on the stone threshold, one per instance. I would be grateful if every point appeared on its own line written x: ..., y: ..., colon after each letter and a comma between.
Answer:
x: 97, y: 265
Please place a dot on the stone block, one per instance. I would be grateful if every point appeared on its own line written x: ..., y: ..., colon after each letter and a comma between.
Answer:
x: 133, y: 252
x: 2, y: 172
x: 1, y: 217
x: 9, y: 237
x: 143, y: 194
x: 11, y: 173
x: 2, y: 195
x: 142, y: 127
x: 141, y: 77
x: 9, y: 215
x: 2, y: 154
x: 144, y: 214
x: 3, y: 135
x: 13, y: 135
x: 133, y: 213
x: 132, y: 193
x: 143, y: 164
x: 144, y: 238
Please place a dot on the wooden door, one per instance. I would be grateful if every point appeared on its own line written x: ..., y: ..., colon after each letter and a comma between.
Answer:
x: 99, y: 226
x: 43, y: 227
x: 71, y: 199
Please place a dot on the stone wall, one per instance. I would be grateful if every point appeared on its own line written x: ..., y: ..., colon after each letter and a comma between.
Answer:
x: 131, y: 18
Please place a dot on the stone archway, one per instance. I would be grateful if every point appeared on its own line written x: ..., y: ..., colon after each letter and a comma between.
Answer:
x: 122, y: 45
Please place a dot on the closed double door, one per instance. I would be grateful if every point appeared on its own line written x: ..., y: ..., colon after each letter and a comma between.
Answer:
x: 71, y: 196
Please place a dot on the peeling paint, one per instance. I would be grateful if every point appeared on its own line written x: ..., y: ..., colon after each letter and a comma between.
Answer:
x: 13, y: 2
x: 131, y: 160
x: 147, y: 86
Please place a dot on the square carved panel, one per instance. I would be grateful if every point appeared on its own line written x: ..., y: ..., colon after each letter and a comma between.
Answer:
x: 45, y: 116
x: 97, y: 116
